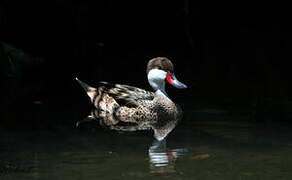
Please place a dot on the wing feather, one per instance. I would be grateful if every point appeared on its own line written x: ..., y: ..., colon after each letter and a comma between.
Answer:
x: 125, y: 94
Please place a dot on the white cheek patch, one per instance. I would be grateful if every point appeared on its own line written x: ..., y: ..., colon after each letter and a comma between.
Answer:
x: 156, y: 78
x: 157, y: 74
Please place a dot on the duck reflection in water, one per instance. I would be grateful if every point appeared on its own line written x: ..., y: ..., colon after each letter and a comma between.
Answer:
x: 162, y: 159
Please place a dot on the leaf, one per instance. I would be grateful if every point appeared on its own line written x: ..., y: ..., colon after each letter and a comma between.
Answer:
x: 201, y: 156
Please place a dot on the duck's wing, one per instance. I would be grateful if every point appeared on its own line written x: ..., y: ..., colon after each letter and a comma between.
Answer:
x: 126, y: 95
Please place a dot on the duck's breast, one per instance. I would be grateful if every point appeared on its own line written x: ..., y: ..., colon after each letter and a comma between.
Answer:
x: 167, y: 112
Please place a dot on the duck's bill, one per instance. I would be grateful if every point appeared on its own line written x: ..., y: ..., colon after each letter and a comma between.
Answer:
x: 171, y: 79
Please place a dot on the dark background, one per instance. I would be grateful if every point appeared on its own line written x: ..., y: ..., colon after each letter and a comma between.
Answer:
x: 230, y: 55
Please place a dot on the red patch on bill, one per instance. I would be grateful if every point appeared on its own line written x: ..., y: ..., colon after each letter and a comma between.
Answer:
x: 169, y: 78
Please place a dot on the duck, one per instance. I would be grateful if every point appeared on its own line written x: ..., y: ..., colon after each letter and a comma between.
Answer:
x: 128, y: 108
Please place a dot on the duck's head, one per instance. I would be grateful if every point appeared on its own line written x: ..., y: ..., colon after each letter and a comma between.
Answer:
x: 159, y: 71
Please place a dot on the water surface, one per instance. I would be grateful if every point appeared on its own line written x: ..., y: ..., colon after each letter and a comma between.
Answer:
x: 209, y: 143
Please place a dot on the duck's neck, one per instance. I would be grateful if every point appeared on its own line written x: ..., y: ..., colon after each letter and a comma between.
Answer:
x: 161, y: 92
x: 159, y: 88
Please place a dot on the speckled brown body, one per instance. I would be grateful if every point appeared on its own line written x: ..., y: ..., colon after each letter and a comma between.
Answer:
x: 157, y: 112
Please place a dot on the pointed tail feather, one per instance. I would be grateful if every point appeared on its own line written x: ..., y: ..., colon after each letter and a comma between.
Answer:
x: 91, y: 91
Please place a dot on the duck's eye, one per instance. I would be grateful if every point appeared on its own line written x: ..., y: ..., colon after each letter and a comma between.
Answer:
x: 158, y: 67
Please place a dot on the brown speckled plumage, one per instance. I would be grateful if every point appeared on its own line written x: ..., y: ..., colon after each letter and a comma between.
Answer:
x: 127, y: 108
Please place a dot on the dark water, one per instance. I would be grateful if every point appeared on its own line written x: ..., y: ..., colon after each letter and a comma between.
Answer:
x: 209, y: 143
